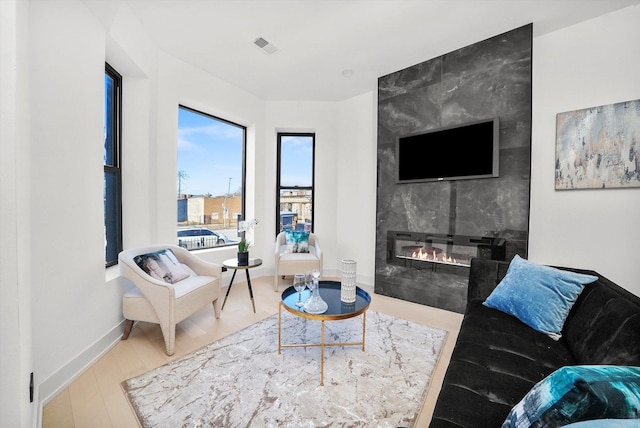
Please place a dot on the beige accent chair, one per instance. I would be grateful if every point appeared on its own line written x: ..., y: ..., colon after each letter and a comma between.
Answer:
x: 155, y: 301
x: 292, y: 263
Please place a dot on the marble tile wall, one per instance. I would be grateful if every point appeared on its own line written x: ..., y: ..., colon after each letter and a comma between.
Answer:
x: 491, y: 78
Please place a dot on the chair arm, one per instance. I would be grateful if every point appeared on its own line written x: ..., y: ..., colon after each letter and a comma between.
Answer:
x: 277, y: 248
x: 318, y: 251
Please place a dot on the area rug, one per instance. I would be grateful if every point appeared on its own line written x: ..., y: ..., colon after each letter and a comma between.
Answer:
x: 242, y: 381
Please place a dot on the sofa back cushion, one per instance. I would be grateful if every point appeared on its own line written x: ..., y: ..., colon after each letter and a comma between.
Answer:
x: 604, y: 325
x: 484, y: 276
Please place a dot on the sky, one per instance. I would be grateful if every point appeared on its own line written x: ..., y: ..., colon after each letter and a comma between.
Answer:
x: 210, y: 153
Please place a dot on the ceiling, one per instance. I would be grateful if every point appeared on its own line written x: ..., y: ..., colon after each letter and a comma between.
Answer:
x: 317, y: 40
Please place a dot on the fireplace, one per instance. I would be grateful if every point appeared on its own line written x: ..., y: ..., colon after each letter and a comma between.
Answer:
x: 436, y: 249
x: 432, y: 268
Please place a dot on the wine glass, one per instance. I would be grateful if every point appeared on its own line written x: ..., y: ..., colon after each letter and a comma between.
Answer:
x: 299, y: 285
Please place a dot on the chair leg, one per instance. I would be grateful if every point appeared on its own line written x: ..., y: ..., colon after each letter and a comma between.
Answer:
x: 169, y: 334
x: 127, y: 329
x: 216, y: 307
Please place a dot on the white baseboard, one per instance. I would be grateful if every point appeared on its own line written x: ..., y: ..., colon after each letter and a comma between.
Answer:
x: 54, y: 384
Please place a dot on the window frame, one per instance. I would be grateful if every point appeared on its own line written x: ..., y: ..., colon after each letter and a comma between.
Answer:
x: 279, y: 186
x: 115, y: 167
x: 244, y: 163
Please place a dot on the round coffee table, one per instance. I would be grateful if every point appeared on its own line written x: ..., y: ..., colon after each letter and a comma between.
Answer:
x: 337, y: 310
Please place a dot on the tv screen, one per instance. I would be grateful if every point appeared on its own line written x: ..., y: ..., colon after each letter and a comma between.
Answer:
x: 453, y: 153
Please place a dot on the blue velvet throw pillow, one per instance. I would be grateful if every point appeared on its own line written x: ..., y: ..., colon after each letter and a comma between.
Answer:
x: 580, y: 393
x: 297, y: 241
x: 539, y: 296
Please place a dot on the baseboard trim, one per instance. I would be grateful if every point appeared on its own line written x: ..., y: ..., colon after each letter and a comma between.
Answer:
x: 54, y: 384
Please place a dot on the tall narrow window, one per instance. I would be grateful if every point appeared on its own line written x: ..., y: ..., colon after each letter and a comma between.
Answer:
x: 210, y: 181
x: 295, y: 182
x: 112, y: 177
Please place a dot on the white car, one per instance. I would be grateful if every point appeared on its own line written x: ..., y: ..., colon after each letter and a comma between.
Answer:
x: 197, y: 237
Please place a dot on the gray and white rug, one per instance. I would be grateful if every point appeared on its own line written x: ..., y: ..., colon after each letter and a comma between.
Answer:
x: 241, y: 381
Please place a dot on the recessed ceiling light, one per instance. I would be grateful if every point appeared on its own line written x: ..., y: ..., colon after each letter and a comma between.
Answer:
x: 347, y: 72
x: 265, y: 46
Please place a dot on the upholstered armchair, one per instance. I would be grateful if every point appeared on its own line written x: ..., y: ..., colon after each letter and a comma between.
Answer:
x: 165, y: 289
x: 290, y: 263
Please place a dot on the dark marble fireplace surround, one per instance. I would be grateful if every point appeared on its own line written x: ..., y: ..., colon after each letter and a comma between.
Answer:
x: 491, y: 78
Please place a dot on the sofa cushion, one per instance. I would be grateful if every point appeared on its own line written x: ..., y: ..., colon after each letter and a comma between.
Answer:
x: 496, y: 361
x: 579, y: 393
x: 297, y: 241
x: 191, y: 284
x: 604, y: 325
x: 162, y: 265
x: 539, y: 296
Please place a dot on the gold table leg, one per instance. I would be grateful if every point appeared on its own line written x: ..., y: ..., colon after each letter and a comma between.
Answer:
x: 322, y: 354
x: 364, y: 324
x: 322, y: 343
x: 280, y: 328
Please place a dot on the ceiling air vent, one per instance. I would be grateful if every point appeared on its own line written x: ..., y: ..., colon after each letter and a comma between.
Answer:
x: 266, y: 47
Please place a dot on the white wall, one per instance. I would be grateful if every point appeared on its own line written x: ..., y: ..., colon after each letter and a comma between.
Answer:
x: 590, y: 64
x: 15, y: 305
x: 73, y: 308
x: 356, y: 192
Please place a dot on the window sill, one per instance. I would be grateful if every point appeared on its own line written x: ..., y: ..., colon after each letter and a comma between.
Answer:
x: 111, y: 273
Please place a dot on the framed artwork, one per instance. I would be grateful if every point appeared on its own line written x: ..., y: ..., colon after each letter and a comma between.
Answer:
x: 599, y: 147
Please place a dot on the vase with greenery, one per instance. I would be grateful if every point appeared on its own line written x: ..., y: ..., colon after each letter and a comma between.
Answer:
x: 243, y: 252
x: 245, y: 228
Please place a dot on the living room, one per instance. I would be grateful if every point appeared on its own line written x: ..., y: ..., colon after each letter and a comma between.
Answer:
x: 62, y: 309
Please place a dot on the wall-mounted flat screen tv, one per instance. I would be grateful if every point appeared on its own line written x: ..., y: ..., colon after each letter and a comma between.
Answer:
x: 457, y: 152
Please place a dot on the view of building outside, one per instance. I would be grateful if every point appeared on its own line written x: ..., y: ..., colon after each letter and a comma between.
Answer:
x: 210, y: 181
x: 295, y: 181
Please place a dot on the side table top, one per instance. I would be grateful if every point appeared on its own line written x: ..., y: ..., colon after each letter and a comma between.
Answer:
x: 233, y: 264
x: 330, y: 293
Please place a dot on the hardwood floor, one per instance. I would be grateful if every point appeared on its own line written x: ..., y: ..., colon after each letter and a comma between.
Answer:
x: 96, y: 399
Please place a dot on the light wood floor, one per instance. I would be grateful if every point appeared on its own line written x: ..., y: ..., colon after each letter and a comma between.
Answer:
x: 96, y: 399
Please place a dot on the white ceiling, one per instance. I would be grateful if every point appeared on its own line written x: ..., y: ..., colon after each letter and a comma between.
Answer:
x: 318, y: 39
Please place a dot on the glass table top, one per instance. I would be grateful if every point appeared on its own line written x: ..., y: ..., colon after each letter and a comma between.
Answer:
x: 233, y: 263
x: 330, y: 293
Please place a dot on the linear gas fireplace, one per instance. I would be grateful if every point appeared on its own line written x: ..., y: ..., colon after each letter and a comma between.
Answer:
x: 441, y: 249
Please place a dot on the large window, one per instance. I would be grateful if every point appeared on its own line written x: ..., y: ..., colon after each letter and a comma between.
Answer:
x: 210, y: 181
x: 295, y: 182
x: 112, y: 177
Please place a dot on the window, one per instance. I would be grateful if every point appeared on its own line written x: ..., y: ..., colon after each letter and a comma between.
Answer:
x: 112, y: 176
x: 295, y: 182
x: 210, y: 181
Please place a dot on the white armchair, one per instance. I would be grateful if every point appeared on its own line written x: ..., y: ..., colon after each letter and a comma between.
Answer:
x: 291, y: 263
x: 153, y: 300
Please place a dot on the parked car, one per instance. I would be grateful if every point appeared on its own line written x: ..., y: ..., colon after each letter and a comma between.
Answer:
x: 197, y: 237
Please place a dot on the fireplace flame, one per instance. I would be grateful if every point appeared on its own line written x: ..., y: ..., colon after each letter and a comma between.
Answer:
x: 432, y: 257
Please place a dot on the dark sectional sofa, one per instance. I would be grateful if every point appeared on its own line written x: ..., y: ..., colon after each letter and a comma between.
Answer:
x: 497, y: 359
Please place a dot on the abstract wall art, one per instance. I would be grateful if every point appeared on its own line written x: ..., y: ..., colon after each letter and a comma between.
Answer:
x: 599, y: 147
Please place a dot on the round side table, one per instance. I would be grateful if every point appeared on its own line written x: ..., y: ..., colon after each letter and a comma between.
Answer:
x: 233, y: 264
